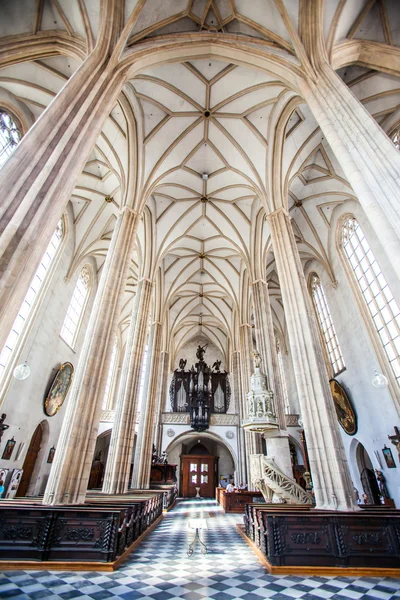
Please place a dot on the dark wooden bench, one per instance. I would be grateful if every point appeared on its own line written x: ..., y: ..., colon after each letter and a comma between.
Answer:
x: 301, y: 537
x: 235, y: 502
x: 99, y: 530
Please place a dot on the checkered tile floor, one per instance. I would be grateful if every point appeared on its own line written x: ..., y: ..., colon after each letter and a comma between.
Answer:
x: 160, y: 569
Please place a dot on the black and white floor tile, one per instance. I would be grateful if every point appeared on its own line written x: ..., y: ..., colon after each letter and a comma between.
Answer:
x: 160, y: 569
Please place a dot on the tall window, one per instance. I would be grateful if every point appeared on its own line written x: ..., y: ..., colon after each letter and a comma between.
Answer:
x: 10, y: 135
x: 283, y: 378
x: 107, y: 400
x: 375, y: 290
x: 326, y: 324
x: 76, y: 308
x: 30, y: 298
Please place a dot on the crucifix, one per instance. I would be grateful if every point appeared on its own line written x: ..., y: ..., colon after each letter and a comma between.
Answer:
x: 3, y: 425
x: 395, y: 439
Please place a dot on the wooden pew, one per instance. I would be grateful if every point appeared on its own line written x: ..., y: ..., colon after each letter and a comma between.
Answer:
x: 100, y: 530
x: 297, y: 536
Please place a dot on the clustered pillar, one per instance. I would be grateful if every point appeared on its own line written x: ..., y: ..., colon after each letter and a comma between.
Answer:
x: 331, y: 478
x: 145, y: 437
x: 116, y: 478
x: 277, y: 440
x: 70, y: 472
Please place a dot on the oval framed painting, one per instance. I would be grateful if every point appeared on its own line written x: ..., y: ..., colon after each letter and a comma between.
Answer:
x: 59, y: 389
x: 344, y: 410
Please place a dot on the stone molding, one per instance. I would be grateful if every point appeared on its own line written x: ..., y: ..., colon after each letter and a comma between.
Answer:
x: 224, y: 419
x: 292, y: 420
x: 215, y: 419
x: 107, y: 416
x: 177, y: 418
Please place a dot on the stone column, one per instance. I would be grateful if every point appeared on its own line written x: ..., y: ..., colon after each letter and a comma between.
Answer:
x: 70, y: 472
x: 331, y: 478
x: 116, y: 477
x: 162, y: 394
x: 277, y: 440
x: 237, y: 393
x: 145, y: 437
x: 253, y: 441
x: 368, y: 158
x: 39, y: 177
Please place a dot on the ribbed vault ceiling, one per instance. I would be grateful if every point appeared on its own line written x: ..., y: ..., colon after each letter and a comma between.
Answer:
x: 204, y: 128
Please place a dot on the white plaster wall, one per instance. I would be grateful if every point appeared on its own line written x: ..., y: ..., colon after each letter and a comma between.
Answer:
x: 375, y: 409
x: 45, y: 351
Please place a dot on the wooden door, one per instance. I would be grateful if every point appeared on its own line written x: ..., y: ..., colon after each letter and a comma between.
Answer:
x: 30, y: 460
x: 198, y: 471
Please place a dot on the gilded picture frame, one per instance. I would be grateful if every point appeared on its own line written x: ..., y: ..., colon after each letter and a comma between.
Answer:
x: 344, y: 410
x: 59, y: 389
x: 8, y: 450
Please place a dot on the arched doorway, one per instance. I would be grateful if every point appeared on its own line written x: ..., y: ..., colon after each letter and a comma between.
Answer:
x: 30, y: 460
x: 199, y: 472
x: 367, y: 475
x: 225, y: 464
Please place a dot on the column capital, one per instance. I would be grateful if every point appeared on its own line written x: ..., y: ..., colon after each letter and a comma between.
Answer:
x: 259, y: 281
x: 278, y: 212
x: 128, y: 208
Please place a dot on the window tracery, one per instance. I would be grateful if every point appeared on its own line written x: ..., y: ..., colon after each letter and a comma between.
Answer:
x: 326, y: 324
x: 76, y: 309
x: 10, y: 135
x: 25, y: 312
x: 375, y: 291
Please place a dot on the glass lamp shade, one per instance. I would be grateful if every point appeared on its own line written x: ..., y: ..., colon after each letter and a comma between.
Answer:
x: 22, y: 371
x: 379, y: 381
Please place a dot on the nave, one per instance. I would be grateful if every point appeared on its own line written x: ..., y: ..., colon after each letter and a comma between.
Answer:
x: 159, y: 569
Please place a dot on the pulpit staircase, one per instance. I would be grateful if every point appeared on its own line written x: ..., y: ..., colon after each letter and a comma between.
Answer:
x: 274, y: 485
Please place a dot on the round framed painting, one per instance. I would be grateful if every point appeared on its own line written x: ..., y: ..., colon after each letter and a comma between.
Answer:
x: 344, y: 410
x: 59, y: 389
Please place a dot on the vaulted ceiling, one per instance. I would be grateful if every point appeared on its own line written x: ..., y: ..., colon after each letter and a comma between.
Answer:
x: 204, y: 127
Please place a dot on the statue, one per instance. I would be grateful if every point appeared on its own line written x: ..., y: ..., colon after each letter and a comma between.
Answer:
x: 182, y: 364
x: 154, y: 457
x: 216, y: 365
x: 256, y: 360
x: 381, y: 484
x: 200, y: 352
x: 3, y: 426
x: 164, y: 458
x: 395, y: 439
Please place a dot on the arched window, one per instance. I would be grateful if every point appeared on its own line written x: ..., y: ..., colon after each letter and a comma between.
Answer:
x: 326, y: 324
x: 283, y: 378
x: 107, y: 399
x: 25, y: 312
x: 374, y: 289
x: 76, y: 309
x: 10, y: 135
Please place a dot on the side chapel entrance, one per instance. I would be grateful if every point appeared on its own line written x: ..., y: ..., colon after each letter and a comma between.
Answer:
x: 198, y: 470
x: 30, y: 460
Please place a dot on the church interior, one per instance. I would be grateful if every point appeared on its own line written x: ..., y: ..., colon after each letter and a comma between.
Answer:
x: 200, y: 291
